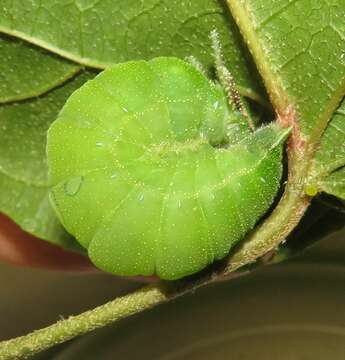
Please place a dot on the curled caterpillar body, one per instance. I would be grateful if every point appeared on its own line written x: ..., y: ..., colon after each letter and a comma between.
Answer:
x: 143, y: 174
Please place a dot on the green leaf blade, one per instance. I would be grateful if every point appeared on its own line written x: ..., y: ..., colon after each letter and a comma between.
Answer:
x: 299, y: 49
x: 334, y: 184
x: 23, y: 171
x: 26, y: 71
x: 331, y: 153
x: 327, y: 170
x: 29, y: 207
x: 23, y: 134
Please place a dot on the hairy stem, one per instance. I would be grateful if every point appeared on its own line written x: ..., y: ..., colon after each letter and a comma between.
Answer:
x: 31, y: 344
x: 26, y: 346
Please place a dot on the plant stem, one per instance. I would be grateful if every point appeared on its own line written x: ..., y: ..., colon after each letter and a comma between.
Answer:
x: 31, y: 344
x: 26, y: 346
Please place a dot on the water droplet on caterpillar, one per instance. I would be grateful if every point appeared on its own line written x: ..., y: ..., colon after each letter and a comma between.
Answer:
x: 73, y: 185
x: 99, y: 144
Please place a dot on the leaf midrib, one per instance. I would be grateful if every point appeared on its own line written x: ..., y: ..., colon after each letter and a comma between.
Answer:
x: 44, y: 90
x: 273, y: 83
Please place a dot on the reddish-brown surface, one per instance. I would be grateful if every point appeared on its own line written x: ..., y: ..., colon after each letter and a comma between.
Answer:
x: 18, y: 247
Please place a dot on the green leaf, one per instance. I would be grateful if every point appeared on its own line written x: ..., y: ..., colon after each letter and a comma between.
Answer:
x: 331, y: 153
x: 299, y: 48
x: 27, y: 71
x: 101, y: 33
x: 335, y: 183
x: 29, y: 207
x: 329, y: 158
x: 23, y: 134
x: 23, y: 169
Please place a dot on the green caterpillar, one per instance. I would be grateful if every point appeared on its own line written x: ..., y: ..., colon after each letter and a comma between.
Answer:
x: 146, y: 174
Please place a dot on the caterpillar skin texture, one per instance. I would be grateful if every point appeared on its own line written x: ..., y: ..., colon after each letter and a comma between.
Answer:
x: 139, y: 177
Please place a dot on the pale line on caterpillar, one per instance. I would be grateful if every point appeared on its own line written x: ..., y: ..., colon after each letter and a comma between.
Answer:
x: 165, y: 198
x: 205, y: 220
x: 226, y: 188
